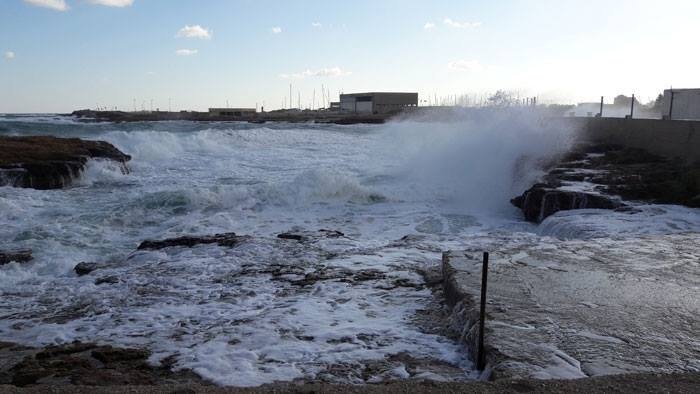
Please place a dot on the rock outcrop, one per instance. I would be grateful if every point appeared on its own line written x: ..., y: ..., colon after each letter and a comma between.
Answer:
x: 541, y: 201
x: 20, y: 256
x: 44, y: 162
x: 225, y: 239
x: 605, y: 171
x: 86, y: 364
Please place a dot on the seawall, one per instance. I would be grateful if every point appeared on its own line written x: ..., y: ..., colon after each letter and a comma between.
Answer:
x: 668, y: 138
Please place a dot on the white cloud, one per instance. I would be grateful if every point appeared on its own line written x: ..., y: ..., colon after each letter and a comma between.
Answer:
x: 58, y: 5
x: 460, y: 25
x: 113, y: 3
x: 429, y: 25
x: 316, y: 24
x: 276, y: 30
x: 9, y: 55
x: 465, y: 65
x: 186, y: 52
x: 324, y: 72
x: 195, y: 31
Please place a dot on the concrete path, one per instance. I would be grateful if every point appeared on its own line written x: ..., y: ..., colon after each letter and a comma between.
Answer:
x: 568, y: 309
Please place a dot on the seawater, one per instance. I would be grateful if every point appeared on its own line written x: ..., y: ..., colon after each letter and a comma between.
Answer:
x: 235, y: 315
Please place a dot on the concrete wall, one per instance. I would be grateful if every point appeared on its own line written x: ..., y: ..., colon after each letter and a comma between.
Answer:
x: 686, y: 103
x: 669, y: 138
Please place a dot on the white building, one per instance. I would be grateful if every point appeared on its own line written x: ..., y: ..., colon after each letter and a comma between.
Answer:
x: 377, y: 102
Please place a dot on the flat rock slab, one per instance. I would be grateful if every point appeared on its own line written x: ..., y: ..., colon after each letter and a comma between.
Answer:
x: 225, y: 239
x: 568, y: 309
x: 44, y: 162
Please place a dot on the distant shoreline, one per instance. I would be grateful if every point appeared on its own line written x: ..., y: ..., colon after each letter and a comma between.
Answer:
x: 259, y: 117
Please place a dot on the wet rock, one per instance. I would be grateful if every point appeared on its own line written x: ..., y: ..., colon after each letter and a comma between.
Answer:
x: 109, y: 354
x: 225, y: 239
x: 107, y: 279
x: 541, y: 201
x: 86, y: 268
x: 331, y: 233
x: 295, y: 237
x: 631, y: 174
x: 43, y: 162
x: 20, y: 256
x: 86, y: 364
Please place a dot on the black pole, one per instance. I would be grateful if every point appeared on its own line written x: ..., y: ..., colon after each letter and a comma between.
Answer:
x: 481, y: 357
x: 632, y: 109
x: 601, y: 107
x: 670, y: 110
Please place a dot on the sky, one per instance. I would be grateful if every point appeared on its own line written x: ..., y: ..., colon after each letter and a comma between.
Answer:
x: 62, y: 55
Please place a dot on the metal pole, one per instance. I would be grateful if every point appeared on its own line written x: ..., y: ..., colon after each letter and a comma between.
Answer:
x: 601, y: 107
x: 670, y: 110
x: 632, y: 109
x: 481, y: 357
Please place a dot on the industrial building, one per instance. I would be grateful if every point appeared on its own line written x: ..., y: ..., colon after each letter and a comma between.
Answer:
x: 681, y: 104
x: 231, y: 112
x: 377, y: 102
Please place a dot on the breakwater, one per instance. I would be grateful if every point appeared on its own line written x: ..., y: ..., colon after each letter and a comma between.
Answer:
x: 258, y: 117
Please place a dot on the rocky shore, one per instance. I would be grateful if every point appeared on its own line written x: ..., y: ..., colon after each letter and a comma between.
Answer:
x: 602, y: 176
x: 44, y: 162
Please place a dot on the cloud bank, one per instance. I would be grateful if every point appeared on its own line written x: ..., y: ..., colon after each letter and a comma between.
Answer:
x: 186, y: 52
x: 113, y: 3
x: 58, y: 5
x: 324, y: 72
x: 465, y: 65
x: 195, y: 31
x: 460, y: 25
x: 429, y: 25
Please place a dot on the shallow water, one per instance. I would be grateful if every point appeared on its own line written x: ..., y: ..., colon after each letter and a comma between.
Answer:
x: 244, y: 316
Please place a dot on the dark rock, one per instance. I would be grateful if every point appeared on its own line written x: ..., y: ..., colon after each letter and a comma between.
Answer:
x: 87, y: 364
x: 85, y: 268
x: 109, y: 354
x: 541, y: 201
x: 295, y: 237
x: 107, y: 279
x: 20, y: 256
x: 331, y: 233
x: 44, y: 162
x: 226, y: 239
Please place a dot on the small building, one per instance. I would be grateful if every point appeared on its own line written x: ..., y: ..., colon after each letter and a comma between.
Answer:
x: 231, y: 112
x: 334, y: 106
x: 681, y: 104
x: 377, y: 102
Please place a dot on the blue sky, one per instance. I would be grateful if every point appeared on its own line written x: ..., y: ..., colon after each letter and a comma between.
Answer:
x: 60, y: 55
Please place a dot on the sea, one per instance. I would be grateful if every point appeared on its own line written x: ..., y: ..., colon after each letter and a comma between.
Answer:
x: 376, y: 206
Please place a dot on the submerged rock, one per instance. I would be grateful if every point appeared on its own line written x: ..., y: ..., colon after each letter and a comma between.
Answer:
x: 290, y: 236
x: 20, y: 256
x: 107, y: 279
x: 44, y: 162
x: 541, y: 201
x: 86, y: 268
x: 225, y: 239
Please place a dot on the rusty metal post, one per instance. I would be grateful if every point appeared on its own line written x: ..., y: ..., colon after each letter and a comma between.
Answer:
x: 481, y: 356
